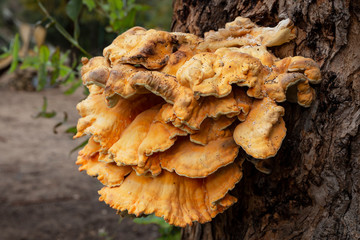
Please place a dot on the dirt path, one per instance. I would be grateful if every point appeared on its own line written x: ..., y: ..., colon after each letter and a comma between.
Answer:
x: 43, y: 196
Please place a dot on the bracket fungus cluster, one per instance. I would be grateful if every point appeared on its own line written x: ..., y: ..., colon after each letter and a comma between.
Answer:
x: 172, y: 116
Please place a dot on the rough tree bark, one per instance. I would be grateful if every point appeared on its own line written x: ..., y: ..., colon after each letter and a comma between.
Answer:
x: 313, y: 191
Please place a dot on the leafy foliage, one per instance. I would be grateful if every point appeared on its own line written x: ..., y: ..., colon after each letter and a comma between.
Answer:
x: 51, y: 68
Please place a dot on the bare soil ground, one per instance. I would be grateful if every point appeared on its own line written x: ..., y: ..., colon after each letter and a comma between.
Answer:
x: 43, y: 196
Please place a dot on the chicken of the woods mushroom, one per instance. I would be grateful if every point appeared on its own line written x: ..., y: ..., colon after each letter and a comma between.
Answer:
x: 172, y: 116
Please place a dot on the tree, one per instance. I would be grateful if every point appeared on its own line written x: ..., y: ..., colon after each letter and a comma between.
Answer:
x: 313, y: 191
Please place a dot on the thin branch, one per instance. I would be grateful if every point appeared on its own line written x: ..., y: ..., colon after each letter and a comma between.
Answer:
x: 63, y: 31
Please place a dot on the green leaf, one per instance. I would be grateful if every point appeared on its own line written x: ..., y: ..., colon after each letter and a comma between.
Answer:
x: 129, y: 20
x: 71, y: 130
x: 73, y: 87
x: 47, y: 114
x: 79, y: 146
x: 116, y: 4
x: 44, y: 54
x: 55, y: 63
x: 60, y: 123
x: 5, y: 54
x: 30, y: 62
x: 68, y: 78
x: 44, y: 112
x: 152, y: 219
x: 90, y: 4
x: 65, y: 71
x: 73, y: 9
x: 86, y: 91
x: 15, y: 53
x: 141, y: 7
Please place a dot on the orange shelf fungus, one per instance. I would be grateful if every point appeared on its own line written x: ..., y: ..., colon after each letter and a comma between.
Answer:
x: 243, y: 32
x: 150, y: 48
x: 171, y: 116
x: 263, y: 130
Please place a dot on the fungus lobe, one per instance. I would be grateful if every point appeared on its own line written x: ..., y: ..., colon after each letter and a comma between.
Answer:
x: 171, y: 116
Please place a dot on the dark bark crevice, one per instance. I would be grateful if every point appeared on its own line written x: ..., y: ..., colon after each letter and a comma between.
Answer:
x: 313, y: 191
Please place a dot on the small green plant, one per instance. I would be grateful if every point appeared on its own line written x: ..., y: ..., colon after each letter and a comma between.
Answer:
x: 12, y: 51
x: 51, y: 68
x: 44, y: 112
x: 167, y: 231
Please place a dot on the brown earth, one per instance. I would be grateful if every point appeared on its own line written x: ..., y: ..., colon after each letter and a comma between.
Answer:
x: 43, y: 196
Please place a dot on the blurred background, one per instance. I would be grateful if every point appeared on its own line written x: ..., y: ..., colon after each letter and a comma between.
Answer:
x: 41, y: 44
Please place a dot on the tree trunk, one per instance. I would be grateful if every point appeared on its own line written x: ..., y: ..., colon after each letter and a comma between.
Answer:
x: 313, y: 191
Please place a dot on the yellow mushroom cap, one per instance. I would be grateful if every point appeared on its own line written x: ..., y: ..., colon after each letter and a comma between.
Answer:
x: 211, y: 129
x: 104, y: 123
x: 243, y: 101
x: 151, y: 168
x: 150, y: 48
x: 263, y: 131
x: 243, y: 32
x: 211, y: 74
x: 293, y: 73
x: 179, y: 200
x: 125, y: 150
x: 177, y: 59
x: 203, y: 108
x: 197, y: 161
x: 146, y: 135
x: 259, y: 52
x: 107, y: 173
x: 95, y: 71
